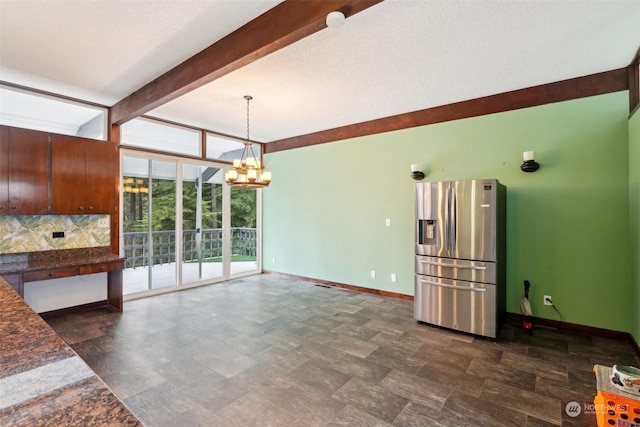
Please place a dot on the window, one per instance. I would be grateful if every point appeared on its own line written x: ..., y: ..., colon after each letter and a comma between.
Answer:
x: 223, y: 148
x: 159, y: 136
x: 30, y: 110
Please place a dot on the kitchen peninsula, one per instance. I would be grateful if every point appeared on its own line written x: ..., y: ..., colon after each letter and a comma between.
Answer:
x: 43, y: 382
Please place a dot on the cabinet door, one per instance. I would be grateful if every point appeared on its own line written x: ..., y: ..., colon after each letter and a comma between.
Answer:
x: 85, y: 176
x: 28, y: 172
x: 4, y: 170
x: 102, y: 177
x: 68, y: 164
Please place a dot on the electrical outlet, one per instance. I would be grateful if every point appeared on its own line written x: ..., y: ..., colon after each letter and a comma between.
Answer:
x: 373, y: 274
x: 394, y: 277
x: 548, y: 300
x: 103, y: 222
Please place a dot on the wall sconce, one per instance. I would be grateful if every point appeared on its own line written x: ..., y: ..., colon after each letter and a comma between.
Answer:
x: 529, y: 165
x: 415, y: 173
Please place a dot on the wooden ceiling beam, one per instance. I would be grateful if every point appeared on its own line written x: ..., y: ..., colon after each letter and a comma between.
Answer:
x: 565, y: 90
x: 288, y: 22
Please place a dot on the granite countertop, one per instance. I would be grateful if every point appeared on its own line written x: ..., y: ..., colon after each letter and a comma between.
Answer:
x: 46, y: 260
x: 43, y: 382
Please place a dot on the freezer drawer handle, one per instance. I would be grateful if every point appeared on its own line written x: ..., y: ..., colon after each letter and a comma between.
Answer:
x: 428, y: 282
x: 467, y: 267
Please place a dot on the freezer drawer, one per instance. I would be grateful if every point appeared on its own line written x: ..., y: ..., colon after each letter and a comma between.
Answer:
x: 459, y: 269
x: 455, y: 304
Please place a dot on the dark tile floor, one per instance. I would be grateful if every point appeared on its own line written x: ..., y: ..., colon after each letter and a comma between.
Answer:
x: 268, y: 351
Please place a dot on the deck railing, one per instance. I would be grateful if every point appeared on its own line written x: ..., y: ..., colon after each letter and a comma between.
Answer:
x: 136, y: 245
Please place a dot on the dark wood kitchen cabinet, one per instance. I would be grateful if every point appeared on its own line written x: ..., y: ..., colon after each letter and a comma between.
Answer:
x: 102, y: 176
x: 85, y: 176
x: 24, y: 172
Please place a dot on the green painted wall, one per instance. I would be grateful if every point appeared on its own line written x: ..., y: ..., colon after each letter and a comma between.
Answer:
x: 634, y: 223
x: 568, y: 232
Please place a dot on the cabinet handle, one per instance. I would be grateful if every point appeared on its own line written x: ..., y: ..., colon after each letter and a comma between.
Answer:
x: 90, y: 208
x: 14, y: 208
x: 80, y: 208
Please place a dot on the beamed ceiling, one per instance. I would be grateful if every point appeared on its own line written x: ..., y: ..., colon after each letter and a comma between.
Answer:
x: 192, y: 62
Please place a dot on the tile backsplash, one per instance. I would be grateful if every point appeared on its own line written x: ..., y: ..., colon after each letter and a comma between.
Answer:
x: 35, y: 233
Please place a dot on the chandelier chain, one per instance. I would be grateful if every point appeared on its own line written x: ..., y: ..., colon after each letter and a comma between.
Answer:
x: 248, y: 98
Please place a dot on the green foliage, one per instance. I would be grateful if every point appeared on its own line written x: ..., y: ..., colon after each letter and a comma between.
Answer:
x: 163, y: 209
x: 136, y: 207
x: 211, y: 197
x: 243, y: 207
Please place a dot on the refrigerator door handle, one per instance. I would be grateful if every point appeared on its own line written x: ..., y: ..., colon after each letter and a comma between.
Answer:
x: 453, y: 219
x: 467, y: 267
x: 446, y: 221
x: 447, y: 224
x: 443, y: 285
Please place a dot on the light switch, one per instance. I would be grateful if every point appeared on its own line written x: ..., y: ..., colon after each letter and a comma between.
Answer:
x: 388, y: 222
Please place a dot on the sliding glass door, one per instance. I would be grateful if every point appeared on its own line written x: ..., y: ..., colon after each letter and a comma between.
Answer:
x: 202, y: 223
x: 182, y: 226
x: 244, y: 230
x: 149, y: 223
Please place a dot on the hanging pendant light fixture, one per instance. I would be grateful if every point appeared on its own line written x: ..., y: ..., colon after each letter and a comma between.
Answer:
x: 248, y: 171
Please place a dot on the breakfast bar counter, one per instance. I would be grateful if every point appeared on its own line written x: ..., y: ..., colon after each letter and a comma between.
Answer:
x: 43, y: 382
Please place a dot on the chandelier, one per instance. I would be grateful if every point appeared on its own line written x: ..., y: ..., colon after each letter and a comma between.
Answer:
x: 248, y: 171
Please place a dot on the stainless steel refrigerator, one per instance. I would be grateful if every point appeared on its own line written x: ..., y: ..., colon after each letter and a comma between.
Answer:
x: 460, y: 255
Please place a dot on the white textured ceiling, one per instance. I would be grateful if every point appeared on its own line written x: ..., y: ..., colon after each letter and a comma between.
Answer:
x: 395, y: 57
